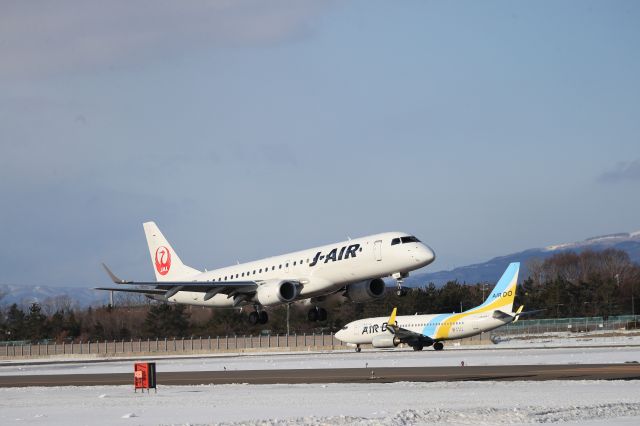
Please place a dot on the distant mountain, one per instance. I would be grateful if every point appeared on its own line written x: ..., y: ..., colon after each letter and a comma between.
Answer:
x: 491, y: 270
x: 25, y: 295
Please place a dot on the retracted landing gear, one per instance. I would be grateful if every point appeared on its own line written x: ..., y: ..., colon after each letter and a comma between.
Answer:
x: 317, y: 314
x: 258, y: 317
x: 438, y: 346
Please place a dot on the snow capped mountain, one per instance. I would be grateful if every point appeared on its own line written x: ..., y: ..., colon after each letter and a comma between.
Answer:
x: 25, y: 295
x: 491, y: 270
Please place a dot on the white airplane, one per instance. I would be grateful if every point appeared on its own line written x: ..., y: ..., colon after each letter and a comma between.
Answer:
x: 419, y: 331
x: 354, y: 267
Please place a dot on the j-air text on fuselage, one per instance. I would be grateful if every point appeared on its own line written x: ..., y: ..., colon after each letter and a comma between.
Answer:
x: 419, y: 331
x: 352, y: 268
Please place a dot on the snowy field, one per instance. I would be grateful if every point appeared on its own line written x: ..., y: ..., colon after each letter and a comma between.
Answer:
x: 469, y: 403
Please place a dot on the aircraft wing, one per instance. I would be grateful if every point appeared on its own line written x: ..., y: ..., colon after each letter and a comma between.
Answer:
x: 406, y: 336
x: 170, y: 288
x: 150, y: 291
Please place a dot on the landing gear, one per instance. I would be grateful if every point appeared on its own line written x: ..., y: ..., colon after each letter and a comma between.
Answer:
x: 401, y: 292
x: 358, y: 349
x: 438, y: 346
x: 399, y: 276
x: 418, y: 347
x: 258, y: 317
x: 317, y: 314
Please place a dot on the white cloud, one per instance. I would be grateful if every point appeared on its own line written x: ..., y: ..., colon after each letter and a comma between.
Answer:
x: 44, y: 37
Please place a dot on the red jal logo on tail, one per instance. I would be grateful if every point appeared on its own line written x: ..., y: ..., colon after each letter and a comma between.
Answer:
x: 163, y: 260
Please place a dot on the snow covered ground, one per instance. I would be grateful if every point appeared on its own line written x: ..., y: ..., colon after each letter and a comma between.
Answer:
x: 577, y: 402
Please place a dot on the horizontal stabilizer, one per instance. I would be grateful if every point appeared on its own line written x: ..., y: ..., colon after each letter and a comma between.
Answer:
x: 502, y: 315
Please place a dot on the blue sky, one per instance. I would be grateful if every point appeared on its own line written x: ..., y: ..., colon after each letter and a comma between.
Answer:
x: 248, y: 128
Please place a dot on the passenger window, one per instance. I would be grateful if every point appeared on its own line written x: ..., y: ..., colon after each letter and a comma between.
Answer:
x: 236, y: 275
x: 260, y: 270
x: 280, y: 267
x: 273, y: 268
x: 294, y: 263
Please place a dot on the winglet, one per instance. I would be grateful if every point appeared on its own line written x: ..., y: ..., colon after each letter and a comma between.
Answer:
x: 114, y: 277
x: 517, y: 313
x: 392, y: 318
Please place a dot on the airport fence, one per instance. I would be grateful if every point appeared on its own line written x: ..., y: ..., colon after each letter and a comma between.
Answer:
x: 574, y: 325
x: 193, y: 345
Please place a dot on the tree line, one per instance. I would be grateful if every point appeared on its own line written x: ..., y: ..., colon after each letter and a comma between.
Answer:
x: 589, y: 283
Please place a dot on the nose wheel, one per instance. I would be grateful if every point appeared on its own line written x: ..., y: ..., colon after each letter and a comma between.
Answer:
x: 400, y: 291
x: 399, y: 277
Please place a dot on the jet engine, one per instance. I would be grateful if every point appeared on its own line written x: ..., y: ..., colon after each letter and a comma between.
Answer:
x: 365, y: 290
x: 276, y: 292
x: 385, y: 341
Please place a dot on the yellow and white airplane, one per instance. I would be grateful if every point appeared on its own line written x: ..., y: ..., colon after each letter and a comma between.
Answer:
x: 354, y: 268
x: 419, y: 331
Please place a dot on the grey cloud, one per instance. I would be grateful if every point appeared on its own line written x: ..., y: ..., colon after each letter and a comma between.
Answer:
x: 623, y: 171
x: 42, y: 37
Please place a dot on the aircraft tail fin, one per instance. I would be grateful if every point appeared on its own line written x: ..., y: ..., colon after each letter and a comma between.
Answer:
x: 166, y: 262
x: 503, y: 294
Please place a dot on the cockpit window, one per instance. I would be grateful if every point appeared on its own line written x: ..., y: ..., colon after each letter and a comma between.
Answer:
x: 344, y: 328
x: 410, y: 239
x: 395, y: 241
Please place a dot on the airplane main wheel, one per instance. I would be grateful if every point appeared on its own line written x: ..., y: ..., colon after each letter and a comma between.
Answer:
x: 322, y: 314
x: 263, y: 317
x: 438, y: 346
x: 418, y: 347
x: 358, y: 348
x: 254, y: 318
x: 401, y: 292
x: 312, y: 315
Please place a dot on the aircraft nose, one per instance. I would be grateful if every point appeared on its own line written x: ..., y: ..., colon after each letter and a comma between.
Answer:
x: 340, y: 335
x: 427, y: 255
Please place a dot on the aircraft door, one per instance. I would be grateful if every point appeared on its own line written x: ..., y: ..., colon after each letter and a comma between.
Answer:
x: 377, y: 250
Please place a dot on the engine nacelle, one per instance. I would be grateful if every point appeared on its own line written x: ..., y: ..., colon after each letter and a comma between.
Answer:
x: 366, y: 290
x: 385, y: 341
x: 276, y: 292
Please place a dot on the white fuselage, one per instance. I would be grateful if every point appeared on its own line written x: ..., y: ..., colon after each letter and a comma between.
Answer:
x: 437, y: 327
x: 320, y: 270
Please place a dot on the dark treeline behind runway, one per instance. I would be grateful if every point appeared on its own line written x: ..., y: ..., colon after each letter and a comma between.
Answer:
x: 567, y: 284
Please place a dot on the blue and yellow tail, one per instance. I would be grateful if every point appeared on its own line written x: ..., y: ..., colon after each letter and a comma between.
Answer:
x: 502, y: 296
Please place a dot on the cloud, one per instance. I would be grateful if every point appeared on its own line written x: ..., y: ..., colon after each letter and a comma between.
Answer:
x: 623, y: 171
x: 43, y: 37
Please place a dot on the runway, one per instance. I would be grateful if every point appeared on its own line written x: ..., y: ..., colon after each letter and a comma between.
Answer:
x: 345, y: 375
